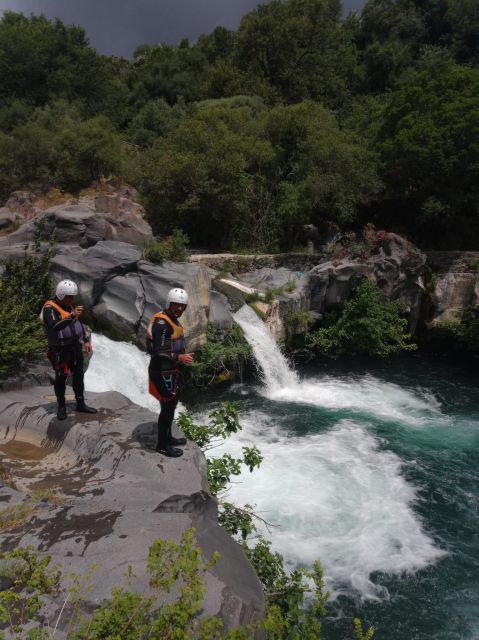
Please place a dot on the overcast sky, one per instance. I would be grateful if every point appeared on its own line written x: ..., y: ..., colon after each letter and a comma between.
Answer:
x: 119, y: 26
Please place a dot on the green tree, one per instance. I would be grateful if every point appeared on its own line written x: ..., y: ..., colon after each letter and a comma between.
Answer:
x: 299, y: 48
x: 367, y: 325
x: 430, y: 152
x: 42, y: 60
x: 325, y: 174
x: 206, y: 177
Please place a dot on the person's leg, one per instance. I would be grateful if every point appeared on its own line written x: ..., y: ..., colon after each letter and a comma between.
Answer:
x: 58, y: 357
x: 59, y: 387
x: 165, y: 420
x: 78, y: 383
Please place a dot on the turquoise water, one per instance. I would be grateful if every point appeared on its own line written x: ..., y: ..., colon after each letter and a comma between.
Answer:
x: 371, y: 468
x: 375, y: 472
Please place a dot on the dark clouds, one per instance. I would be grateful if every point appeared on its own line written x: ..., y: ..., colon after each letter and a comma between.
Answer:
x: 118, y: 26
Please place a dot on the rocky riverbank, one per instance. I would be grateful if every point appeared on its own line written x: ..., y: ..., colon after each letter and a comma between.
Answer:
x: 116, y: 495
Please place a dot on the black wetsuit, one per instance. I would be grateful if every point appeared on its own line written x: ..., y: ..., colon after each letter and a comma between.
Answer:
x: 65, y: 342
x: 164, y: 373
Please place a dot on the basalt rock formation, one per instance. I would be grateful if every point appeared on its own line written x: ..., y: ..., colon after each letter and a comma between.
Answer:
x: 99, y: 242
x: 117, y: 496
x: 456, y: 285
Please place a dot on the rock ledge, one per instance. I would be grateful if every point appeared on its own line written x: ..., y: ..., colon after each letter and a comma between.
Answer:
x: 119, y: 497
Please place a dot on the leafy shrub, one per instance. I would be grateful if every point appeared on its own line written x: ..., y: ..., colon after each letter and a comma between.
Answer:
x: 220, y: 355
x: 367, y: 325
x: 24, y: 287
x: 173, y: 247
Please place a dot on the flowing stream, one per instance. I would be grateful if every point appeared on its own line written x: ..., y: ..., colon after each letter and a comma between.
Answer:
x: 372, y: 472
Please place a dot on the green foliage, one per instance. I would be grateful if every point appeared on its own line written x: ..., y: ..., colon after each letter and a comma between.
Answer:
x: 430, y: 155
x: 24, y: 286
x: 359, y: 633
x: 460, y: 335
x: 42, y: 59
x: 32, y: 578
x: 285, y: 593
x: 59, y: 148
x: 367, y: 325
x: 173, y: 247
x: 224, y: 422
x: 297, y: 320
x: 298, y: 117
x: 247, y: 177
x: 299, y: 49
x: 220, y: 355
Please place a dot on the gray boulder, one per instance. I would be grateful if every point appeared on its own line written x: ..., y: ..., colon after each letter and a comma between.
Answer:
x: 397, y: 268
x: 219, y: 312
x: 119, y: 496
x: 126, y: 220
x: 8, y: 220
x: 91, y: 268
x: 157, y: 280
x: 89, y: 220
x: 72, y: 223
x: 121, y: 304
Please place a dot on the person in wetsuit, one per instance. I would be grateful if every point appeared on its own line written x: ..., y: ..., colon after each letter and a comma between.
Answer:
x: 66, y: 337
x: 166, y: 343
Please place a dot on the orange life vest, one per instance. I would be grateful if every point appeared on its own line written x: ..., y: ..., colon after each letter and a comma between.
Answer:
x: 177, y: 335
x: 63, y: 313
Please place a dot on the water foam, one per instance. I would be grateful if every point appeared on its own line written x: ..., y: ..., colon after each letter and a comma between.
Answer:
x: 119, y: 366
x: 366, y: 395
x: 337, y: 497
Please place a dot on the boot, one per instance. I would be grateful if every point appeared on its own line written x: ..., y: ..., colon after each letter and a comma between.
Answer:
x: 169, y: 452
x: 174, y: 441
x: 61, y: 410
x: 84, y: 408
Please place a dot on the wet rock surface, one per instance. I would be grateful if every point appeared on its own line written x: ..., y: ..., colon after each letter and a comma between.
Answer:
x: 119, y: 495
x: 456, y: 287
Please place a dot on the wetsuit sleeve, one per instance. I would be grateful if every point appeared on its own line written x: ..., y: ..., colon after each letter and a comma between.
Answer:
x: 161, y: 333
x: 52, y: 319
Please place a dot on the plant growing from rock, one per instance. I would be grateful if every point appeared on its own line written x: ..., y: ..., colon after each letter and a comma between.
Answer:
x: 173, y: 247
x: 367, y: 325
x: 31, y: 578
x: 220, y: 355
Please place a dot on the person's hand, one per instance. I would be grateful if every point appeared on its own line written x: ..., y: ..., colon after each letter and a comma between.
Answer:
x: 77, y: 311
x: 186, y: 358
x: 88, y: 347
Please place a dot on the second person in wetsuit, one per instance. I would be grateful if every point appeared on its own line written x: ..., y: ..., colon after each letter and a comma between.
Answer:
x: 67, y: 338
x: 166, y: 343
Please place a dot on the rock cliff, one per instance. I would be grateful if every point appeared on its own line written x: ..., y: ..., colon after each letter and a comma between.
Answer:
x: 118, y: 496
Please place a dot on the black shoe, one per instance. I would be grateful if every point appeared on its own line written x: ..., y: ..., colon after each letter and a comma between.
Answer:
x: 84, y: 408
x: 61, y: 412
x: 176, y: 441
x: 170, y: 452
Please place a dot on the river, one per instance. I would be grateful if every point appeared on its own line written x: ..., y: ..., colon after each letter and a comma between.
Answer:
x: 373, y: 471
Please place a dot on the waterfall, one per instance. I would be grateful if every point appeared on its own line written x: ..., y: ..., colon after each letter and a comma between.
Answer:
x: 277, y: 373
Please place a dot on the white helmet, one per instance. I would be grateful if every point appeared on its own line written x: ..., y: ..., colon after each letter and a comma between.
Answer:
x: 66, y: 288
x: 176, y: 295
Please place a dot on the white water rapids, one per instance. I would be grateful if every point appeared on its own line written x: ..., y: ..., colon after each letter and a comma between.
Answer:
x: 337, y: 495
